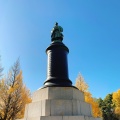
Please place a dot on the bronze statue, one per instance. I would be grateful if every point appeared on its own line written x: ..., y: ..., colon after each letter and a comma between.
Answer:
x: 56, y: 33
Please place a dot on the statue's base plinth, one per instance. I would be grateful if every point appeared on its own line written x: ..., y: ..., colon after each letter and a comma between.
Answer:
x: 58, y: 103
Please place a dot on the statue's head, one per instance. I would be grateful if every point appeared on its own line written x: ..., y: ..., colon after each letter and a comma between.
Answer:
x: 56, y: 24
x: 57, y: 27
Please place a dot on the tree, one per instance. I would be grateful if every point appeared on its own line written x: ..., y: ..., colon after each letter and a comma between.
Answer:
x: 116, y: 101
x: 107, y: 108
x: 82, y: 86
x: 1, y: 68
x: 13, y: 94
x: 100, y: 102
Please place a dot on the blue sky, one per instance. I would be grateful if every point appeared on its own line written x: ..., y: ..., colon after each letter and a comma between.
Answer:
x: 91, y: 32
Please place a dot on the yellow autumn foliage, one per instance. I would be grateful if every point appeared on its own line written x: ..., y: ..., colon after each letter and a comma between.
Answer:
x: 95, y: 107
x: 116, y: 101
x: 82, y: 86
x: 13, y: 95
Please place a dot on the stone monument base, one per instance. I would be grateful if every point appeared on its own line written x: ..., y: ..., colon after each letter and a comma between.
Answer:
x: 58, y: 103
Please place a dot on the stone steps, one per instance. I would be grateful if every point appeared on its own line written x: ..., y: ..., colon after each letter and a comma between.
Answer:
x: 62, y: 118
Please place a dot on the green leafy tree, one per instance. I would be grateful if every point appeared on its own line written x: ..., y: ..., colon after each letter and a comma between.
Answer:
x: 107, y: 107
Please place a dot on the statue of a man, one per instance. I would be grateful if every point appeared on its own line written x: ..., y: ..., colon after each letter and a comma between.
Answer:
x: 56, y: 33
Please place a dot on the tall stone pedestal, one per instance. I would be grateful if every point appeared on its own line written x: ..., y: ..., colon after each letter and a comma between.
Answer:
x: 58, y: 103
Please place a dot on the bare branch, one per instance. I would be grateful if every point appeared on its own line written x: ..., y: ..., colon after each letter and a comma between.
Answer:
x: 1, y: 68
